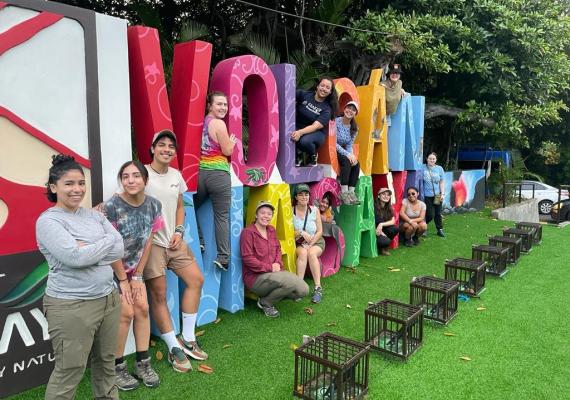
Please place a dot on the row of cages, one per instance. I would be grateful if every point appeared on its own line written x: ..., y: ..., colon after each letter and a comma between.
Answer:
x: 330, y: 367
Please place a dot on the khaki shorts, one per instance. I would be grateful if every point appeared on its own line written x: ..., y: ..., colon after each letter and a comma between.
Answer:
x: 161, y: 258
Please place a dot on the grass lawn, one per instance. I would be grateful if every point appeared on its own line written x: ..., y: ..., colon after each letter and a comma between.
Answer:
x: 519, y: 346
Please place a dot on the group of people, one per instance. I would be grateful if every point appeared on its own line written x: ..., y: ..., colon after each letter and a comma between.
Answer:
x: 102, y: 261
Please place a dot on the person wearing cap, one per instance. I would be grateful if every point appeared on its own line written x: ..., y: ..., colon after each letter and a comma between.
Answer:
x: 262, y: 267
x: 214, y: 180
x: 308, y: 238
x: 169, y: 250
x: 315, y: 108
x: 346, y: 131
x: 394, y: 90
x: 386, y: 229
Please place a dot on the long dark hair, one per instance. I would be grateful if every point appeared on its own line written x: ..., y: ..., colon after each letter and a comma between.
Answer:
x: 60, y: 164
x: 332, y: 98
x: 353, y: 125
x: 139, y: 165
x: 386, y: 212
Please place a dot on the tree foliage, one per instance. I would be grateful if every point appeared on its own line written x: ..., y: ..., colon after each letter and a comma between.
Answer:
x: 506, y: 61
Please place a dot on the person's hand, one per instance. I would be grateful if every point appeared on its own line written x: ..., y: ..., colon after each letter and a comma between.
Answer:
x: 176, y: 241
x: 100, y: 208
x: 126, y: 291
x: 414, y: 224
x: 306, y: 245
x: 352, y: 158
x: 379, y: 231
x: 295, y: 136
x: 275, y: 267
x: 403, y: 93
x: 136, y: 289
x: 306, y: 236
x: 233, y: 138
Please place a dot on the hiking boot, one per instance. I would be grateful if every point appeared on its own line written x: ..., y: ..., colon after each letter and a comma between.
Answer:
x: 146, y: 374
x: 269, y: 311
x: 178, y: 360
x: 192, y: 348
x: 124, y: 380
x: 221, y: 265
x: 312, y: 161
x: 409, y: 243
x: 440, y: 233
x: 317, y: 295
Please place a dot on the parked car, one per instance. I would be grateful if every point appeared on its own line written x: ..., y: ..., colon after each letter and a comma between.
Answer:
x: 547, y: 195
x: 562, y: 208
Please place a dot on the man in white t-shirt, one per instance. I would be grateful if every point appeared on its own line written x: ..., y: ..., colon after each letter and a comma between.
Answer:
x: 169, y: 250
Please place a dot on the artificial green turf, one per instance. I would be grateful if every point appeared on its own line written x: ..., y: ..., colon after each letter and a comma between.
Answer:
x: 519, y: 345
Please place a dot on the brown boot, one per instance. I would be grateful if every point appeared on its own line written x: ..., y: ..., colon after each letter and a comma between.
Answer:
x: 384, y: 251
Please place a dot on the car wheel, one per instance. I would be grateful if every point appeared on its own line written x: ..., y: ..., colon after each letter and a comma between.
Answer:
x: 544, y: 207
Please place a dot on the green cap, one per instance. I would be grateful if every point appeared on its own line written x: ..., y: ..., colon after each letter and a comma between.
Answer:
x: 301, y: 187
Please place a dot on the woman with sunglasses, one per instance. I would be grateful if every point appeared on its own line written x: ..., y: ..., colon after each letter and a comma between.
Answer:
x: 412, y: 217
x: 385, y: 220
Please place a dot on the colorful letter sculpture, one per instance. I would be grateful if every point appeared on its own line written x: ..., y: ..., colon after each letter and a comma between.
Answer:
x: 250, y: 74
x: 278, y: 195
x: 285, y: 78
x: 357, y: 224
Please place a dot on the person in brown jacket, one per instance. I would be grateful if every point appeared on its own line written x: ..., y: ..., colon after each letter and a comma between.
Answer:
x: 262, y: 267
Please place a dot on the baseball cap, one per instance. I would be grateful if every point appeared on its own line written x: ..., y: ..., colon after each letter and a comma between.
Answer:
x: 382, y: 190
x: 264, y: 203
x: 353, y: 103
x: 301, y: 187
x: 160, y: 134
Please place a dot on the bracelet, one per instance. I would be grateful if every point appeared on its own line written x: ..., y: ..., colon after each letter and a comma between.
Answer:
x: 179, y: 229
x: 123, y: 280
x: 138, y: 278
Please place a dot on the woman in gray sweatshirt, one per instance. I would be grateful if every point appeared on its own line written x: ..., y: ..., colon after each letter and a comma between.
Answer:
x: 81, y: 303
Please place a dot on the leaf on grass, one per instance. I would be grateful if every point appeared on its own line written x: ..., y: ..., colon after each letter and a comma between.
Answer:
x: 225, y: 346
x: 465, y: 358
x: 300, y: 389
x: 217, y: 321
x: 367, y: 275
x: 152, y: 343
x: 494, y: 219
x: 395, y: 270
x: 331, y: 324
x: 293, y: 346
x: 348, y: 306
x: 481, y: 308
x: 449, y: 333
x: 159, y: 355
x: 308, y: 310
x: 206, y: 369
x: 199, y: 333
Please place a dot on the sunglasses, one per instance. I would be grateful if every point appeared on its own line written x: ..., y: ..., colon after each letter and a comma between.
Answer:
x: 412, y: 194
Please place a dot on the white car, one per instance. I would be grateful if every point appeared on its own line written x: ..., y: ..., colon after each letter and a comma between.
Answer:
x: 546, y: 194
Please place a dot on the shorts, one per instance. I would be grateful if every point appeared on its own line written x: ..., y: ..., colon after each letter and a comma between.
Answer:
x: 161, y: 258
x: 319, y: 243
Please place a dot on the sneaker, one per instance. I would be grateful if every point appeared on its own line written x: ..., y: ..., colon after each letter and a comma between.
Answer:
x: 192, y: 348
x: 440, y: 233
x: 312, y: 161
x: 124, y: 380
x: 220, y: 265
x: 178, y: 360
x: 384, y: 251
x: 409, y: 243
x: 299, y: 159
x: 269, y: 311
x: 317, y: 295
x: 416, y: 240
x: 345, y: 198
x: 425, y: 234
x: 146, y: 374
x: 353, y: 198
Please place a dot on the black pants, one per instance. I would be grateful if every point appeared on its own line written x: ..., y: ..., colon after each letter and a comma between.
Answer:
x: 348, y: 173
x: 384, y: 241
x: 433, y: 212
x: 311, y: 142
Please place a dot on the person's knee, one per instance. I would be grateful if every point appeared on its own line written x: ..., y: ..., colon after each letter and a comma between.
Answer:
x: 314, y: 252
x: 141, y: 309
x: 127, y: 313
x: 301, y: 252
x: 158, y: 294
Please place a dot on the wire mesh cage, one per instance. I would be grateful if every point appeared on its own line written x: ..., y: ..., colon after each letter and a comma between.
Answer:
x: 330, y: 367
x: 470, y: 274
x: 496, y: 258
x: 514, y: 244
x: 537, y: 237
x: 394, y: 328
x: 525, y: 235
x: 437, y: 296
